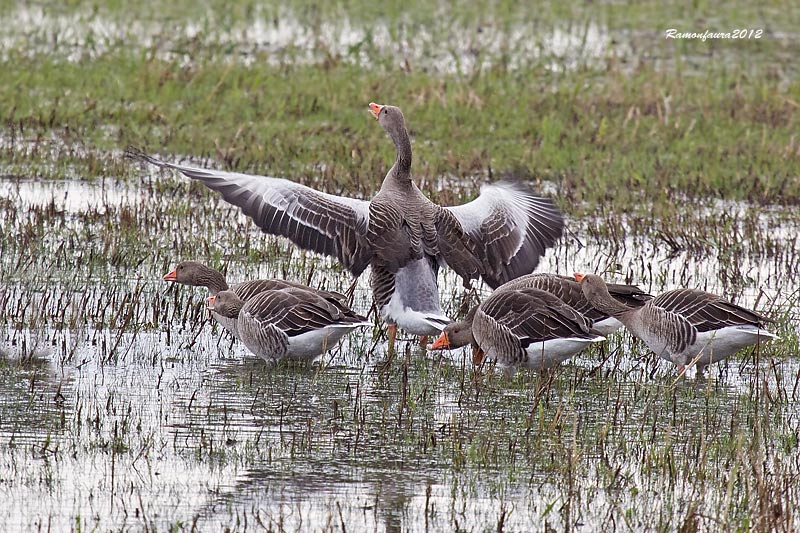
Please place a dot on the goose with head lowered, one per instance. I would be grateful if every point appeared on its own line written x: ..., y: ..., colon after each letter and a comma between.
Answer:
x: 200, y: 275
x: 287, y: 323
x: 569, y: 291
x: 498, y: 236
x: 523, y: 327
x: 683, y: 326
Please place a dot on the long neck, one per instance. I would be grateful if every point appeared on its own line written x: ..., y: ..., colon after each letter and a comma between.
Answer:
x: 212, y: 279
x: 401, y: 170
x: 602, y: 300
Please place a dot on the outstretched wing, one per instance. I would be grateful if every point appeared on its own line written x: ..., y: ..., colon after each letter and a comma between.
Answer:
x: 511, y: 229
x: 456, y: 247
x: 313, y: 220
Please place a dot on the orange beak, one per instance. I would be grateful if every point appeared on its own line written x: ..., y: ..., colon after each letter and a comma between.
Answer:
x: 477, y: 355
x: 172, y: 276
x: 578, y: 277
x: 210, y: 303
x: 441, y: 343
x: 375, y: 109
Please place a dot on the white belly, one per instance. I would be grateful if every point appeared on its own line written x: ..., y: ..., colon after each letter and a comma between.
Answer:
x: 713, y: 346
x: 607, y: 325
x: 546, y: 354
x: 412, y: 321
x: 314, y: 343
x: 414, y: 305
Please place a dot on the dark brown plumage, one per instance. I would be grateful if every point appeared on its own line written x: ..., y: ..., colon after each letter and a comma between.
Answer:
x: 522, y: 327
x: 199, y: 275
x: 294, y: 322
x: 499, y: 235
x: 570, y: 292
x: 684, y: 326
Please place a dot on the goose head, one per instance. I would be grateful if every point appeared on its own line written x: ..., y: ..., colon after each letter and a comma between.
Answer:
x: 225, y: 303
x: 391, y: 119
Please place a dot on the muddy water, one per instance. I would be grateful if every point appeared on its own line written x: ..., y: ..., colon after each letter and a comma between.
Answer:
x: 121, y: 406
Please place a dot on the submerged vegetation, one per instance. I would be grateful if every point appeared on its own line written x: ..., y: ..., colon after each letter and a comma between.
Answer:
x: 599, y: 109
x: 122, y: 407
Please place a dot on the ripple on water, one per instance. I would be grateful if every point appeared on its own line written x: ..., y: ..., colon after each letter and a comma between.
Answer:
x: 159, y: 419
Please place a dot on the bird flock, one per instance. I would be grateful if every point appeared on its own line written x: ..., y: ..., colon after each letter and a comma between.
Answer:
x: 531, y: 320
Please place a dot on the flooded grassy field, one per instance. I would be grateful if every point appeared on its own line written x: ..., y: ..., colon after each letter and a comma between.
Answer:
x: 124, y: 408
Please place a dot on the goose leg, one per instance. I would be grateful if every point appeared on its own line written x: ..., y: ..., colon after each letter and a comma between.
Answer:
x: 423, y: 343
x: 392, y: 333
x: 478, y: 355
x: 680, y: 362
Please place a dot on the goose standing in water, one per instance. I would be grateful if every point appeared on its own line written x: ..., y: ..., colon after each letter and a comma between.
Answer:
x: 684, y: 326
x: 405, y: 237
x: 291, y: 322
x: 569, y: 291
x: 524, y: 327
x: 199, y: 275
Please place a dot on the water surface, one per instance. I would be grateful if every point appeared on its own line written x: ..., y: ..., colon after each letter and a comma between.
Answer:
x: 121, y: 405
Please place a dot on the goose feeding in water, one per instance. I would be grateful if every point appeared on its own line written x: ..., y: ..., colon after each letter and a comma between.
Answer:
x: 525, y: 327
x: 291, y: 322
x: 199, y: 275
x: 684, y: 326
x: 569, y: 291
x: 499, y: 236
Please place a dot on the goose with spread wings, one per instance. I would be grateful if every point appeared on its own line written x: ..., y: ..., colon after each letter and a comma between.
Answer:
x: 401, y: 234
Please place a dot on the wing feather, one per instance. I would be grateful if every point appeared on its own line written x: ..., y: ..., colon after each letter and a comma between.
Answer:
x: 317, y: 221
x: 706, y: 311
x: 534, y: 315
x: 296, y: 310
x: 511, y: 228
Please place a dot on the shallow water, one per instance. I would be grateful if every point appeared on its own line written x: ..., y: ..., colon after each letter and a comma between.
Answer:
x: 122, y: 406
x: 442, y: 43
x: 281, y: 35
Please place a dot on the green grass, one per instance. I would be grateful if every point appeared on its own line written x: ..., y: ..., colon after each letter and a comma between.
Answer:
x: 627, y: 132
